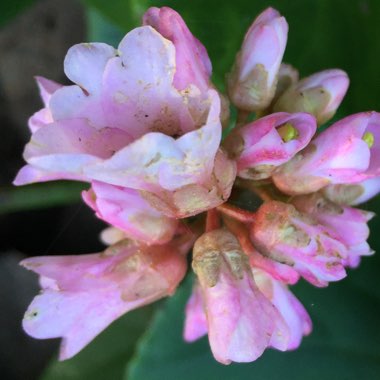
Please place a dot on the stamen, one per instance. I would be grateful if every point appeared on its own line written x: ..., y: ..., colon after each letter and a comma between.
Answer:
x: 287, y: 132
x: 369, y: 139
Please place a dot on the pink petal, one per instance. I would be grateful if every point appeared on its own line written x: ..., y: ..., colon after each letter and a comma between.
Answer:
x: 129, y: 211
x: 193, y: 63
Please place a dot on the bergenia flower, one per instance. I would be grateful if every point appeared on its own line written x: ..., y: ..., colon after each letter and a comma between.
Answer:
x: 346, y: 153
x: 252, y: 81
x: 319, y: 94
x: 261, y: 146
x: 142, y: 124
x: 82, y: 295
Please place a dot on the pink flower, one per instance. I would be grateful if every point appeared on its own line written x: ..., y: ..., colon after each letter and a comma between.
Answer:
x: 347, y: 224
x: 347, y: 152
x: 282, y: 233
x: 143, y: 118
x: 290, y: 308
x: 193, y: 66
x: 82, y: 295
x: 319, y: 94
x: 252, y: 82
x: 268, y: 142
x: 241, y: 322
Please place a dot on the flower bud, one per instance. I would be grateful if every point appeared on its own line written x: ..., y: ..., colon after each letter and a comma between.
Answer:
x: 261, y: 146
x: 241, y: 321
x: 345, y: 153
x: 319, y: 94
x: 252, y: 81
x: 285, y: 235
x: 287, y: 77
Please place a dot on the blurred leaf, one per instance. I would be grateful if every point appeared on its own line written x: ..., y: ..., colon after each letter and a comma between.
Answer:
x: 41, y: 195
x: 126, y: 14
x: 345, y: 343
x: 105, y: 357
x: 10, y: 9
x: 99, y: 28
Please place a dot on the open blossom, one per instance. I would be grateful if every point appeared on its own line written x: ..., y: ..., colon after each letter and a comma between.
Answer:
x: 82, y: 295
x: 136, y: 119
x: 142, y: 124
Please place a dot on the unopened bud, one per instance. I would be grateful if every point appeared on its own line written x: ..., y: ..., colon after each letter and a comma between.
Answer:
x: 319, y: 94
x: 252, y: 82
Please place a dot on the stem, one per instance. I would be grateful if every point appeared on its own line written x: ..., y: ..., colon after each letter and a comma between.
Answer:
x: 236, y: 213
x: 212, y: 220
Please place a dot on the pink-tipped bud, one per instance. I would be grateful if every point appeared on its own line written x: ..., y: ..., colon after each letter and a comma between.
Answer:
x: 319, y: 94
x: 241, y: 321
x: 263, y: 145
x: 345, y: 153
x: 286, y: 235
x: 252, y: 82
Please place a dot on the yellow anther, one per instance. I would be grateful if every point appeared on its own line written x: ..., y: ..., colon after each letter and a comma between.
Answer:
x: 369, y: 138
x: 287, y: 132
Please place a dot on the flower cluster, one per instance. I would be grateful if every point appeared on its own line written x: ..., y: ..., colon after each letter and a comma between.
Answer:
x: 272, y: 203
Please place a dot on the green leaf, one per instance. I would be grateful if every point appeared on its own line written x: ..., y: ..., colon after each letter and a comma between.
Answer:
x: 10, y: 9
x: 38, y: 196
x: 105, y: 357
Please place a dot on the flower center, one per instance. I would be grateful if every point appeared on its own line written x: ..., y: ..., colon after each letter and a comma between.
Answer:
x: 369, y: 139
x: 287, y: 132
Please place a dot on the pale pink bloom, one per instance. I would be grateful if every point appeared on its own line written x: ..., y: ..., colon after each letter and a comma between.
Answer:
x: 288, y: 236
x: 261, y: 146
x: 242, y: 323
x: 83, y: 294
x: 252, y: 82
x: 193, y: 66
x: 319, y: 94
x: 348, y: 152
x: 291, y: 309
x: 354, y: 194
x: 126, y: 124
x: 347, y: 224
x: 127, y: 210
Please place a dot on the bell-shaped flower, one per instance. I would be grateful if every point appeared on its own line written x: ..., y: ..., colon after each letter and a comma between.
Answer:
x: 347, y: 224
x: 252, y: 81
x: 319, y: 94
x: 261, y: 146
x: 291, y: 309
x: 242, y: 323
x: 125, y: 122
x: 354, y: 194
x: 288, y: 236
x: 82, y: 295
x: 348, y: 152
